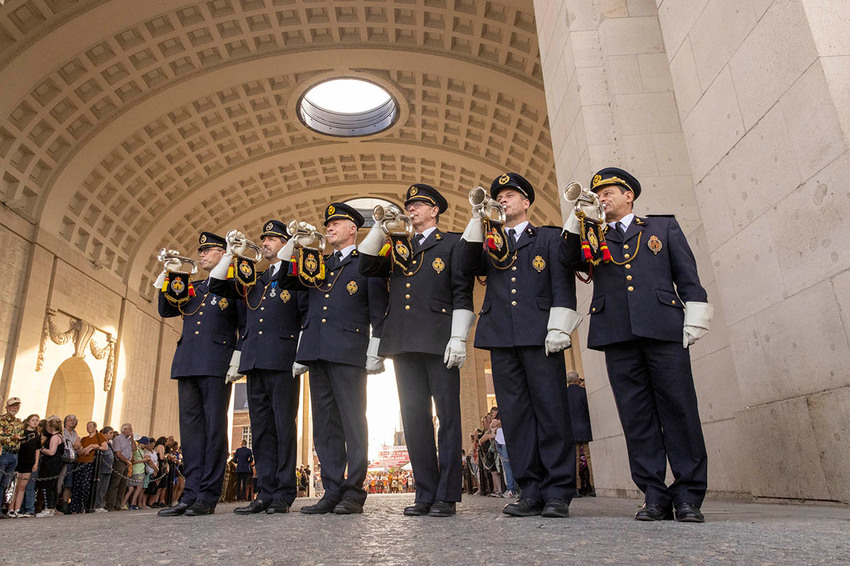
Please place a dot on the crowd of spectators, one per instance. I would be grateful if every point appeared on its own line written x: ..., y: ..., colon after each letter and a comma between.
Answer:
x: 389, y: 482
x: 487, y: 468
x: 47, y: 467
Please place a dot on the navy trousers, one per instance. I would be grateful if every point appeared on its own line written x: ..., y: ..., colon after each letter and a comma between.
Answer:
x: 421, y: 377
x: 531, y: 389
x: 654, y: 391
x: 273, y: 407
x: 340, y: 432
x: 203, y: 434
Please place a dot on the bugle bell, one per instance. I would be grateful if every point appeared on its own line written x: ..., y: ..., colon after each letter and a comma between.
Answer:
x: 168, y: 258
x: 306, y: 236
x: 241, y: 246
x: 392, y: 221
x: 585, y: 203
x: 488, y: 208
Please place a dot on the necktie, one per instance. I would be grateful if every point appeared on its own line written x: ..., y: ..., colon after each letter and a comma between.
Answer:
x: 512, y: 234
x: 619, y: 227
x: 337, y: 257
x: 273, y: 272
x: 417, y: 241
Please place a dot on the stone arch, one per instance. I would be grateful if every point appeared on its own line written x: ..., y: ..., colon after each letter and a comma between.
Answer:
x: 72, y: 390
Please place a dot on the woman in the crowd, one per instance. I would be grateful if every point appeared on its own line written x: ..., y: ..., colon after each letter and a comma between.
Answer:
x: 104, y: 472
x: 66, y: 478
x: 135, y: 487
x: 162, y: 452
x: 50, y: 464
x: 151, y: 474
x: 28, y: 455
x: 84, y: 471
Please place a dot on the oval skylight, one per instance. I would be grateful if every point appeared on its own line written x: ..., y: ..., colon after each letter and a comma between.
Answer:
x: 347, y: 107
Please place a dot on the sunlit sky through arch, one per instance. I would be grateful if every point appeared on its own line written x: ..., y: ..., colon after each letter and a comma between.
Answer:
x: 347, y: 96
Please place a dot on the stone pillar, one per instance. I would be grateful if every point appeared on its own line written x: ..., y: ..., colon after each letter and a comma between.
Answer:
x: 763, y: 89
x: 611, y: 101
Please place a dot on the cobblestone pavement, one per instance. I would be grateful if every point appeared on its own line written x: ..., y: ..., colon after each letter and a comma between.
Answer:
x: 601, y: 531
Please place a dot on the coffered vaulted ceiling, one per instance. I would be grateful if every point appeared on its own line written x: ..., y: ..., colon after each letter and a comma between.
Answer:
x: 127, y: 126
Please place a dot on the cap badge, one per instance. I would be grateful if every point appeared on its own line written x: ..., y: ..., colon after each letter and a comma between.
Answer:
x: 269, y: 227
x: 538, y: 263
x: 654, y: 244
x: 331, y: 209
x: 203, y: 238
x: 596, y: 179
x: 351, y: 287
x: 413, y: 191
x: 438, y: 265
x: 504, y: 179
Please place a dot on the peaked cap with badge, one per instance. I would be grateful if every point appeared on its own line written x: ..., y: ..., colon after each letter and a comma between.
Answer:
x: 275, y: 228
x: 340, y: 210
x: 512, y: 181
x: 420, y: 192
x: 615, y: 176
x: 209, y: 240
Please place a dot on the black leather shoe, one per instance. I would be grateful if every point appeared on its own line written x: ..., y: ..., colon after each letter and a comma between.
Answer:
x: 417, y: 509
x: 654, y: 512
x: 278, y: 506
x: 256, y: 506
x: 524, y: 508
x: 556, y: 509
x: 442, y: 509
x: 199, y: 508
x: 323, y: 506
x: 348, y: 507
x: 687, y: 513
x: 175, y: 511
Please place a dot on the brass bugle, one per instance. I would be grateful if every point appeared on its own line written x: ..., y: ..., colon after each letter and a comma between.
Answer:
x: 392, y: 221
x: 306, y: 236
x: 241, y: 246
x: 165, y: 257
x: 585, y: 202
x: 489, y: 208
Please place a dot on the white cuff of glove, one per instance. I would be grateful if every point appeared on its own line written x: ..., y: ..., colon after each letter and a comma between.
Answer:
x: 697, y: 321
x: 220, y: 270
x: 374, y: 345
x: 563, y: 319
x: 474, y: 231
x: 573, y: 225
x: 160, y: 280
x: 285, y: 253
x: 462, y: 321
x: 374, y: 363
x: 233, y: 370
x: 373, y: 242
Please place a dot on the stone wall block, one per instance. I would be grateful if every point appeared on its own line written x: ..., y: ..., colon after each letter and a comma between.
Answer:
x: 624, y: 36
x: 716, y: 383
x: 717, y: 34
x: 672, y: 154
x: 677, y: 17
x: 830, y: 27
x: 683, y: 71
x: 655, y: 72
x: 715, y: 212
x: 830, y: 414
x: 837, y: 72
x: 651, y: 113
x: 727, y: 458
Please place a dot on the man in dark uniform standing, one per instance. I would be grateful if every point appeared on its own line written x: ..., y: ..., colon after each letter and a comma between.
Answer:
x: 647, y: 304
x: 203, y: 358
x: 273, y: 321
x: 525, y: 321
x: 428, y: 320
x: 336, y: 347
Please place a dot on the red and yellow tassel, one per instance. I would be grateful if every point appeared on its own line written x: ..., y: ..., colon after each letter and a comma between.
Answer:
x: 191, y: 289
x: 585, y: 248
x: 385, y: 250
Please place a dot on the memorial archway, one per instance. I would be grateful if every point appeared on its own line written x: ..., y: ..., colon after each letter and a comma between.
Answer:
x: 72, y: 390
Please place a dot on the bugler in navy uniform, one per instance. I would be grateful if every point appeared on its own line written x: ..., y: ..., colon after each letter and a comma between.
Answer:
x: 429, y: 316
x: 268, y: 345
x: 525, y: 321
x: 336, y: 347
x: 211, y: 325
x: 647, y: 304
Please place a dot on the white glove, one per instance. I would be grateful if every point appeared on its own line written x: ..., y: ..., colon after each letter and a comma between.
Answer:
x: 462, y: 321
x: 474, y: 231
x: 573, y: 224
x: 233, y: 370
x: 562, y: 321
x: 374, y: 363
x: 373, y: 242
x: 220, y: 270
x: 160, y: 280
x: 285, y: 253
x: 697, y: 320
x: 298, y: 369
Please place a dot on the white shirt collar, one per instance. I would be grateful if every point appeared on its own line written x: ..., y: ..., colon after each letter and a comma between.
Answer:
x: 427, y: 232
x: 519, y: 229
x: 274, y: 267
x: 626, y: 221
x: 347, y: 250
